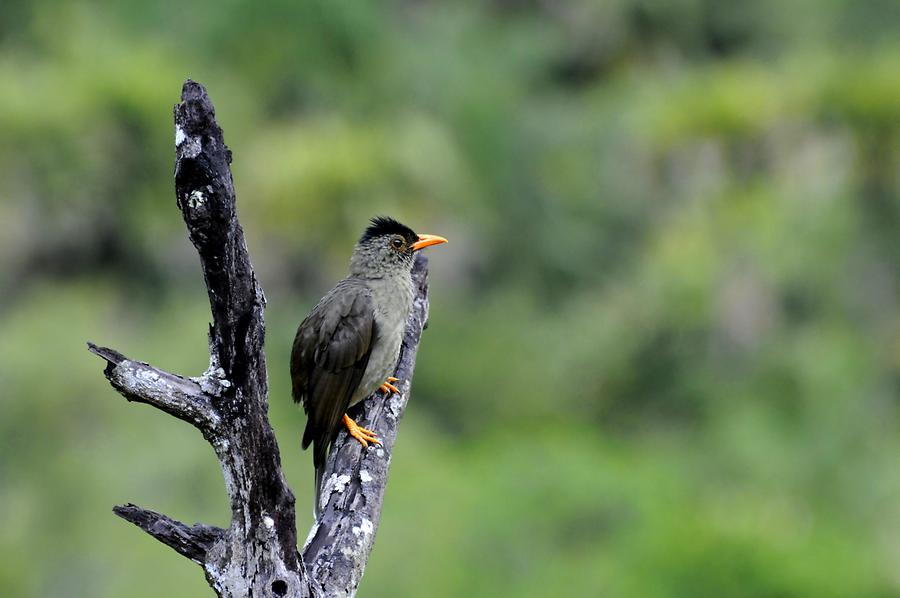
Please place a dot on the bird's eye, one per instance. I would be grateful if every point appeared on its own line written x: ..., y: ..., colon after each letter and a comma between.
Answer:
x: 397, y: 242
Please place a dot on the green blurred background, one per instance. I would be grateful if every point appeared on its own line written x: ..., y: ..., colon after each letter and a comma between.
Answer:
x: 664, y: 352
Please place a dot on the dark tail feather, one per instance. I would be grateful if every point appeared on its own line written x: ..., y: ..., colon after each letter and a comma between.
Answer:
x: 320, y: 454
x: 318, y: 507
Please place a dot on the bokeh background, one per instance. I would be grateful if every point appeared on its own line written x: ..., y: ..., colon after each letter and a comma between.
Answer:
x: 664, y: 351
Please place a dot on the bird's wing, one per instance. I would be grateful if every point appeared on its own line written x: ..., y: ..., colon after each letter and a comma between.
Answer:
x: 330, y: 355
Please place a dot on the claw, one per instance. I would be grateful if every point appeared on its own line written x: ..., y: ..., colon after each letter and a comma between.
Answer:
x: 387, y: 388
x: 361, y: 434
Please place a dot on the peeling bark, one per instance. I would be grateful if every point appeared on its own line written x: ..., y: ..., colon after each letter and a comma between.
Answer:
x: 257, y: 555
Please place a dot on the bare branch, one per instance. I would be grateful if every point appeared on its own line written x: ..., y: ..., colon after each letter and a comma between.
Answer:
x: 251, y: 463
x: 205, y: 193
x: 343, y: 535
x: 193, y: 542
x: 143, y: 383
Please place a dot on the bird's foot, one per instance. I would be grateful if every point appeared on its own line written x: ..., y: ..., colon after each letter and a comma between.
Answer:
x: 387, y: 388
x: 361, y: 434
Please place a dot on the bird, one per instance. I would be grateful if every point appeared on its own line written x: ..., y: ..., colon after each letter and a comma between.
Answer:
x: 349, y: 344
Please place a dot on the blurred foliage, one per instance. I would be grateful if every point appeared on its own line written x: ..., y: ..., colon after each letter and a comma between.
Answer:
x: 664, y: 351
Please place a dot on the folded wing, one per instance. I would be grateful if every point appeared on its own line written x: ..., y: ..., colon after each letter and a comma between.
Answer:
x: 330, y: 355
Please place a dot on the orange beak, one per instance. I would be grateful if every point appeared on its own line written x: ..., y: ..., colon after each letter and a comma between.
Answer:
x: 427, y: 241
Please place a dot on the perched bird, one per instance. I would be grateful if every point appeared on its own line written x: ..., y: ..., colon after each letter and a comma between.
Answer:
x: 348, y: 346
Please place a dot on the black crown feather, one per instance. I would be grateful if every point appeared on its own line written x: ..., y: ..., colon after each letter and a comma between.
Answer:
x: 380, y: 226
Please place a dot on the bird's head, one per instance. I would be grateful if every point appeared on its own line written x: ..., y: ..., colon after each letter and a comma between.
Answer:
x: 388, y: 247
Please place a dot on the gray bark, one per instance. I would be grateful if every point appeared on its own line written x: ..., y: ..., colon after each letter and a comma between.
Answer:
x: 257, y: 555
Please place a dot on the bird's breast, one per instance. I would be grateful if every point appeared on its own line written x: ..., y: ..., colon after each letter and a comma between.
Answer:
x: 392, y: 301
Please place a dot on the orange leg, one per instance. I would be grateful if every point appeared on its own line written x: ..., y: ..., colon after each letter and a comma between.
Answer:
x: 387, y: 388
x: 360, y: 433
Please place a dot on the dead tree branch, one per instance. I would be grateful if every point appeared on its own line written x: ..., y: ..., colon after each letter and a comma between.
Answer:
x: 193, y: 542
x: 257, y: 555
x: 173, y: 394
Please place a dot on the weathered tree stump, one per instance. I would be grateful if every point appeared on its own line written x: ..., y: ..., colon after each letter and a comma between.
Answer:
x: 257, y: 555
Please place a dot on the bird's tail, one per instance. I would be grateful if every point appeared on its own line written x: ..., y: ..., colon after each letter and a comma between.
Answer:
x: 318, y: 489
x: 320, y: 455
